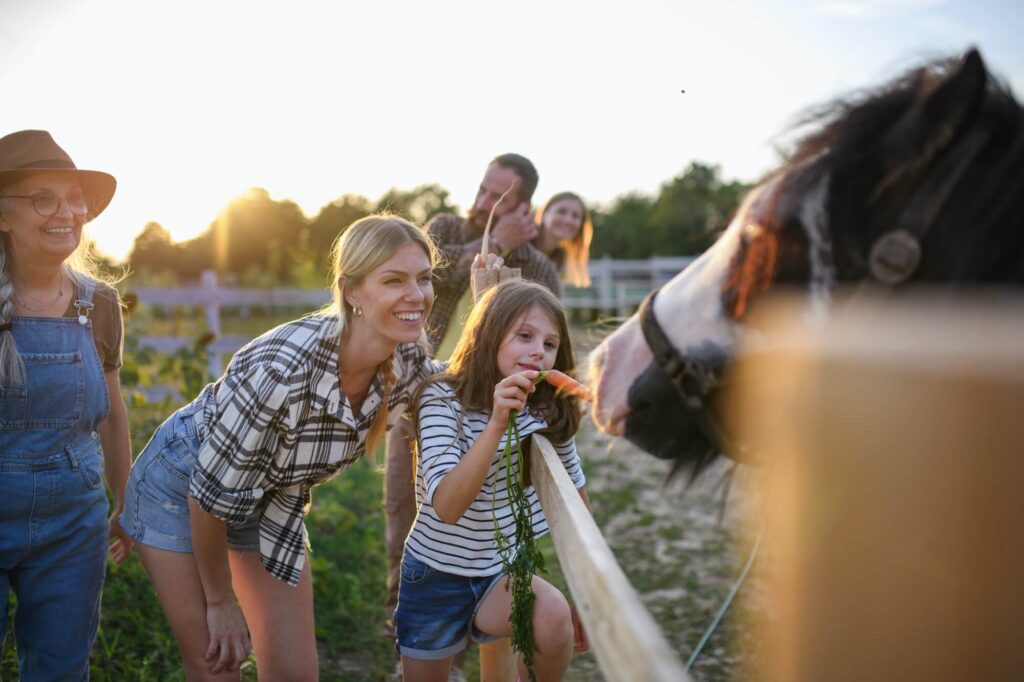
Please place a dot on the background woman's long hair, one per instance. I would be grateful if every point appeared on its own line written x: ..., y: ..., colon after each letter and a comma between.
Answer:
x: 575, y: 255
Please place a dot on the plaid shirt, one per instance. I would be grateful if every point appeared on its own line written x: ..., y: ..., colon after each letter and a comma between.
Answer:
x: 277, y: 423
x: 451, y: 279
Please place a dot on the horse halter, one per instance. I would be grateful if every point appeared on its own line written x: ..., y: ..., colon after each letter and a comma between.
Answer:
x: 896, y: 254
x: 694, y: 379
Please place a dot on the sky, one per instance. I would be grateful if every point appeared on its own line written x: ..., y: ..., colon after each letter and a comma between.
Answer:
x: 190, y: 104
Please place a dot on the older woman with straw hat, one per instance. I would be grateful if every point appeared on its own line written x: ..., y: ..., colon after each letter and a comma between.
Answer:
x: 62, y: 418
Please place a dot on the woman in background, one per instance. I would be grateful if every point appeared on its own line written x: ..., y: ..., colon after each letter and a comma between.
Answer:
x: 565, y: 236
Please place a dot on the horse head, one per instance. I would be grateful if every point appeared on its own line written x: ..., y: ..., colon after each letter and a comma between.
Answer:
x: 918, y: 181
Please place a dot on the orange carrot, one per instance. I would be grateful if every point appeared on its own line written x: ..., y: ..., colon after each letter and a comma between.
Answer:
x: 564, y: 383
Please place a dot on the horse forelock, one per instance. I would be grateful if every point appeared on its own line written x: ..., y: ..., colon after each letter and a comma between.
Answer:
x: 783, y: 237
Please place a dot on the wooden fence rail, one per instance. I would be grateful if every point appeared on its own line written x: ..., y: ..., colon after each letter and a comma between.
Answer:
x: 618, y: 286
x: 625, y: 639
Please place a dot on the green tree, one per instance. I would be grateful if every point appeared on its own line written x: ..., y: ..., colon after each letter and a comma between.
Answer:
x: 685, y: 218
x: 332, y: 220
x: 152, y: 251
x: 419, y: 204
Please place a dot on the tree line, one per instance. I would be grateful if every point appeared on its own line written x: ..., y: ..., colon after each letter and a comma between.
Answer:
x: 258, y: 241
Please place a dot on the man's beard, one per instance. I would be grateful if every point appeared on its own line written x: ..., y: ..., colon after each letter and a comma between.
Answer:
x: 473, y: 216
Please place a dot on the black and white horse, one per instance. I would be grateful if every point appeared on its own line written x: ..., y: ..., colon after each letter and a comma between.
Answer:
x: 918, y: 181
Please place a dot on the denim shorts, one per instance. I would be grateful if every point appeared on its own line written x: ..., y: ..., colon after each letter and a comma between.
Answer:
x: 436, y: 610
x: 156, y: 500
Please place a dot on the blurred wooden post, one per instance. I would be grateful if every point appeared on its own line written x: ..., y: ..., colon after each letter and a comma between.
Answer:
x: 897, y: 431
x: 603, y: 283
x: 211, y: 312
x: 622, y: 307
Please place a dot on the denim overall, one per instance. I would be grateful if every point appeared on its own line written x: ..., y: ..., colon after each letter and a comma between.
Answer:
x: 53, y: 506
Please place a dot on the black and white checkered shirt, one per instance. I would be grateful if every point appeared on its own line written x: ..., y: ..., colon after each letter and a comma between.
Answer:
x: 277, y: 423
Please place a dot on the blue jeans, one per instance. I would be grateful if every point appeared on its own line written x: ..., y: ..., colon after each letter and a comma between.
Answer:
x: 59, y: 547
x: 156, y: 501
x: 436, y: 610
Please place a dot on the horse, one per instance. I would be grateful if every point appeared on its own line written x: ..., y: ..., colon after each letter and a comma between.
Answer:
x: 917, y: 182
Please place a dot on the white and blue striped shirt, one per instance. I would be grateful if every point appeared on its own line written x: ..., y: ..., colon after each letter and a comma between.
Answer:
x: 467, y: 547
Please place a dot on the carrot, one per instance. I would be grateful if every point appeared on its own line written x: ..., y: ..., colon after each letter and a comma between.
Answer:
x: 564, y: 383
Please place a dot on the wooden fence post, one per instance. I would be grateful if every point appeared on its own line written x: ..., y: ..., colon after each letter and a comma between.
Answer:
x: 211, y: 313
x: 604, y: 284
x: 894, y: 430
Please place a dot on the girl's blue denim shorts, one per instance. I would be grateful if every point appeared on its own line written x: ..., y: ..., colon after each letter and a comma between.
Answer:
x: 436, y: 610
x: 156, y: 500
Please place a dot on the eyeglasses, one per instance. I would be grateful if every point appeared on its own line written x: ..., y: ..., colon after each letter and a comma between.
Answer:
x: 47, y: 205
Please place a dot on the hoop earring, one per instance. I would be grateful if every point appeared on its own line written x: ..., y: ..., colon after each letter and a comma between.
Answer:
x: 356, y: 310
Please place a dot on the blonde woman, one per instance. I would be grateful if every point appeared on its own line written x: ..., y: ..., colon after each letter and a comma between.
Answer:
x: 217, y: 499
x: 62, y: 418
x: 565, y: 236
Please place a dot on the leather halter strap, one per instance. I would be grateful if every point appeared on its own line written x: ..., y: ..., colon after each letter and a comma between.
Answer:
x: 694, y: 379
x: 896, y: 254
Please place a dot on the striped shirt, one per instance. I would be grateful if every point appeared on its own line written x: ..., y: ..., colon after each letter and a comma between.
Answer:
x: 468, y: 547
x: 277, y: 423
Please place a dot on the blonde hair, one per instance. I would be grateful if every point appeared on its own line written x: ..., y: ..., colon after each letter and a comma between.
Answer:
x: 575, y: 254
x: 363, y: 247
x: 81, y: 265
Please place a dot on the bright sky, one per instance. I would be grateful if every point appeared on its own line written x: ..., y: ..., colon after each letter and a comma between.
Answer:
x: 190, y: 103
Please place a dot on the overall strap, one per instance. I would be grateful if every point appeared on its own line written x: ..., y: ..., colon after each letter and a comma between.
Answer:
x: 84, y: 304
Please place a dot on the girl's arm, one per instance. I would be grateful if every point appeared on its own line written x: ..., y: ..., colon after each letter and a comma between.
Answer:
x: 117, y: 460
x: 461, y: 485
x: 229, y: 639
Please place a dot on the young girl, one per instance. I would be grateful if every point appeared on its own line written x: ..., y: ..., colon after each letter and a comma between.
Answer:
x: 452, y: 588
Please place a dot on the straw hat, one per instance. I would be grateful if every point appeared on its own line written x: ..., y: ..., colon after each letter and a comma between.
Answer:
x: 30, y: 152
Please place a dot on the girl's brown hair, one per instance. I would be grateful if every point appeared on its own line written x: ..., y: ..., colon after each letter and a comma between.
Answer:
x: 473, y: 369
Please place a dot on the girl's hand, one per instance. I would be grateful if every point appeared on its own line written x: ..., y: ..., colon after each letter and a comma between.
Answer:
x: 121, y: 543
x: 492, y: 262
x: 510, y: 394
x: 229, y: 637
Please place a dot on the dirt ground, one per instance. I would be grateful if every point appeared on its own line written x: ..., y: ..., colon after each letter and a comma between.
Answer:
x: 681, y: 547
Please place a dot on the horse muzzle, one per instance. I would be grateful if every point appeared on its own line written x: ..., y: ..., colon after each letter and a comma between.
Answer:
x: 672, y: 411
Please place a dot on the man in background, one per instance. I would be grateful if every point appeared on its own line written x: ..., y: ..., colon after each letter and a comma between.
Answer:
x: 460, y: 239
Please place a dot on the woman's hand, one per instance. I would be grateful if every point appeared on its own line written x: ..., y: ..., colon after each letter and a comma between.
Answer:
x: 229, y: 638
x: 510, y: 394
x: 121, y: 543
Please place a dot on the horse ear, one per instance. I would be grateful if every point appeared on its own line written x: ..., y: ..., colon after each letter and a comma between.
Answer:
x: 943, y: 108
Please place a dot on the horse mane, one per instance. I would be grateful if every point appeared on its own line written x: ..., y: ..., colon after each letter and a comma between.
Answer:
x: 878, y: 149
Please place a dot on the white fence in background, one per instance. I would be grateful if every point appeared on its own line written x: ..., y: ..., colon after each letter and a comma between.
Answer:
x: 617, y: 287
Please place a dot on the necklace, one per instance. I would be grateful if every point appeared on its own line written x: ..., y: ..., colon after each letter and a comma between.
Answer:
x: 60, y: 293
